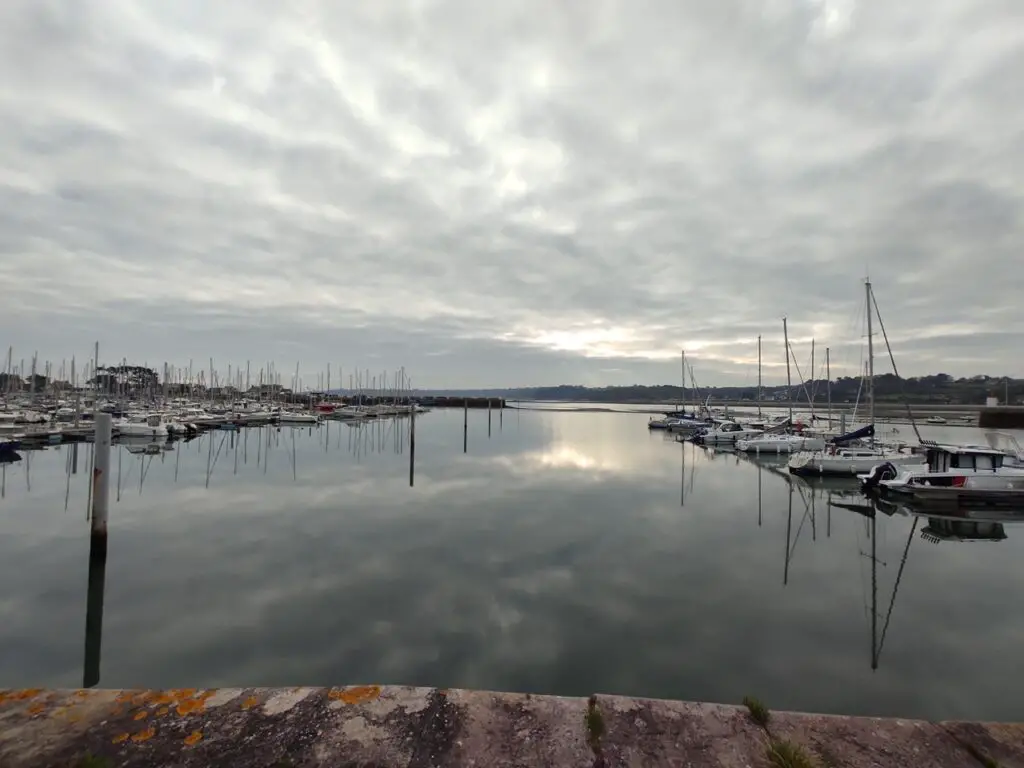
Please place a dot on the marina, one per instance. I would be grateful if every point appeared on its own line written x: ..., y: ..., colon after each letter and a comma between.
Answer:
x: 529, y: 554
x: 442, y: 385
x: 423, y: 539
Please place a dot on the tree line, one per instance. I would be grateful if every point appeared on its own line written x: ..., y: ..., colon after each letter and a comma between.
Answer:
x: 936, y: 389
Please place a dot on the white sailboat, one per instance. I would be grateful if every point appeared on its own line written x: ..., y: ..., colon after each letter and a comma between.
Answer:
x: 728, y: 432
x: 851, y: 461
x: 781, y: 444
x: 778, y: 443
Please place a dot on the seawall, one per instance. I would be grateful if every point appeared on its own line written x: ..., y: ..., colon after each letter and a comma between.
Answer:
x: 1002, y: 417
x: 387, y: 727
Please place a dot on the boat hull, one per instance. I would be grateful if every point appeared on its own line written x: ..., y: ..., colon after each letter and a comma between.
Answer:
x: 780, y: 445
x: 819, y: 464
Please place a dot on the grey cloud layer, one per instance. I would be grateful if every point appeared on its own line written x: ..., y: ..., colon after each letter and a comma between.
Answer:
x: 511, y: 193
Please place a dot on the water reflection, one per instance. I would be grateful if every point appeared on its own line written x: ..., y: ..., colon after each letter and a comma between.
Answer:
x: 566, y: 553
x: 965, y: 526
x: 94, y: 610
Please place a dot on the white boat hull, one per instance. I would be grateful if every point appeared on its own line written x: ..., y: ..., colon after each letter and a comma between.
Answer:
x: 782, y: 444
x: 730, y: 438
x: 298, y: 418
x: 847, y: 465
x: 141, y: 430
x: 911, y: 481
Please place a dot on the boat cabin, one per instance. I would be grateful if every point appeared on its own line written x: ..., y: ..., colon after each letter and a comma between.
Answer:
x: 973, y: 458
x: 729, y: 426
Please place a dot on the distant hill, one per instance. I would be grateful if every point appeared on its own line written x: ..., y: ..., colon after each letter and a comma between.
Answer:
x: 936, y: 389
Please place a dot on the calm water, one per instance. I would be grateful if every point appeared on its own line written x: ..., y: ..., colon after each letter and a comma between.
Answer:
x: 567, y: 553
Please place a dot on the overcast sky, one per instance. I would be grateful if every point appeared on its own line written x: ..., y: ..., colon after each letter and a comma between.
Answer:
x: 513, y: 193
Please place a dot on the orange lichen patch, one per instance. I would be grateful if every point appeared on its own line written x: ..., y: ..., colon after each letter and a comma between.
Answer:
x: 23, y: 695
x: 37, y: 708
x: 141, y: 715
x: 162, y: 711
x: 357, y: 695
x: 251, y: 702
x: 81, y: 694
x: 145, y: 735
x: 194, y: 704
x: 124, y: 697
x: 188, y: 707
x: 193, y: 738
x: 119, y: 739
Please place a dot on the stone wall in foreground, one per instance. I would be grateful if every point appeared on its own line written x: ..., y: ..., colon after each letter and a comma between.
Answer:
x: 398, y: 727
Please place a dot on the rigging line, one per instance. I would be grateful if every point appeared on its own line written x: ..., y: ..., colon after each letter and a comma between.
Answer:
x: 803, y: 384
x: 852, y: 330
x: 861, y: 573
x: 814, y: 379
x: 903, y: 392
x: 217, y: 454
x: 896, y: 587
x: 807, y: 511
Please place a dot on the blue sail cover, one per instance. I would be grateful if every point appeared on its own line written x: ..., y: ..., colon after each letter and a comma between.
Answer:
x: 868, y: 431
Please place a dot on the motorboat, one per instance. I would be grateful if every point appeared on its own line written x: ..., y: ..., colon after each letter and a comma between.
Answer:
x: 662, y: 423
x: 951, y: 471
x: 295, y: 417
x: 1006, y: 444
x: 142, y: 425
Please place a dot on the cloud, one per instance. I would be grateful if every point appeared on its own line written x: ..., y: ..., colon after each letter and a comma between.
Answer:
x: 521, y: 194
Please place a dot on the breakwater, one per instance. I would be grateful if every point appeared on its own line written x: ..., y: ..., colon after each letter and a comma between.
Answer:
x: 1002, y: 417
x: 462, y: 402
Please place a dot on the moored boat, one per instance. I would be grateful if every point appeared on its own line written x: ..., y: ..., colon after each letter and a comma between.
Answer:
x: 780, y: 444
x: 951, y: 473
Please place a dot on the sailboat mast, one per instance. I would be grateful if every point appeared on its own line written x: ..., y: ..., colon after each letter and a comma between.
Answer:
x: 759, y: 376
x: 828, y: 385
x: 814, y: 389
x: 682, y: 393
x: 871, y: 358
x: 789, y: 380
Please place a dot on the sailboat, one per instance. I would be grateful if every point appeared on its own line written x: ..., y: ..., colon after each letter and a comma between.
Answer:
x: 678, y: 420
x: 837, y: 460
x: 772, y: 440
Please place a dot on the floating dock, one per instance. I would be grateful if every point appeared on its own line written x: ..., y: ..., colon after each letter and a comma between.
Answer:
x: 397, y: 727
